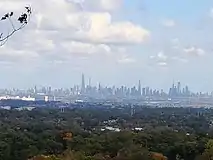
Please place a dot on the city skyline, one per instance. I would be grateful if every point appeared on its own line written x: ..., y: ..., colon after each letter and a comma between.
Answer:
x: 88, y: 80
x: 76, y: 80
x: 113, y: 41
x: 83, y: 90
x: 85, y: 82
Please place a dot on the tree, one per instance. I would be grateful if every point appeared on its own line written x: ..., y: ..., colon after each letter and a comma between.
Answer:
x: 208, y: 152
x: 22, y: 20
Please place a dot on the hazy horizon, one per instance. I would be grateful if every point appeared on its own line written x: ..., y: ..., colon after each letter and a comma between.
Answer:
x: 115, y: 42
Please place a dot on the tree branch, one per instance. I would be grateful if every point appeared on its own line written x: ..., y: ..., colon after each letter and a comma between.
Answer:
x: 23, y: 20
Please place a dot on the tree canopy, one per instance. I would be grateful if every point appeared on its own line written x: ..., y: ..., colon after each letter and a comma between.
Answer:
x: 76, y: 134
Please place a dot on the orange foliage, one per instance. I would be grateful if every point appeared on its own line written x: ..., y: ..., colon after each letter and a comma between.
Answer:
x: 67, y: 136
x: 158, y: 156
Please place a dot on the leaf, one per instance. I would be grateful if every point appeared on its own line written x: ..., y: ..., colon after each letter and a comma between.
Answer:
x: 21, y: 19
x: 3, y: 18
x: 11, y: 14
x: 28, y: 10
x: 6, y: 15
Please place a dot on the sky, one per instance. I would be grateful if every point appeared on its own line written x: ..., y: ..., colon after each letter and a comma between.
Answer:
x: 115, y: 42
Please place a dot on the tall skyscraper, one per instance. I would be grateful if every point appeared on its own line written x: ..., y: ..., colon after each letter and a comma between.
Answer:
x: 82, y: 84
x: 139, y: 88
x: 35, y: 90
x: 179, y: 88
x: 144, y: 91
x: 187, y: 92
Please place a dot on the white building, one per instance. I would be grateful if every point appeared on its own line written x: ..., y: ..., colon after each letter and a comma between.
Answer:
x: 17, y: 98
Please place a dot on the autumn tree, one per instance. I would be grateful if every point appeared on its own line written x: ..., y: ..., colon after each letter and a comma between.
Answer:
x: 66, y: 137
x: 16, y: 25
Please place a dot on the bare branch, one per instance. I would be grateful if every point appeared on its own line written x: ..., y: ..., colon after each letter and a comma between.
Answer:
x: 11, y: 23
x: 23, y: 20
x: 3, y: 42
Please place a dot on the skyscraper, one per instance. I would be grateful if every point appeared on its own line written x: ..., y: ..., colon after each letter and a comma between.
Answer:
x: 139, y: 88
x: 144, y: 91
x: 82, y: 84
x: 179, y: 88
x: 35, y: 90
x: 187, y: 92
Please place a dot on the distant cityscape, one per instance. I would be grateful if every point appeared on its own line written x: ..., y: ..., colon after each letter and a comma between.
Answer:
x: 87, y: 92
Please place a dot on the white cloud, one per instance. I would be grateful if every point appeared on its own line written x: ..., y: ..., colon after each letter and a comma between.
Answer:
x: 97, y: 27
x: 82, y: 49
x: 12, y: 5
x: 110, y: 4
x: 65, y: 29
x: 125, y: 59
x: 194, y: 51
x: 162, y: 64
x: 152, y: 57
x: 98, y: 5
x: 37, y: 41
x: 162, y: 59
x: 16, y: 56
x: 168, y: 23
x: 90, y: 26
x: 161, y: 56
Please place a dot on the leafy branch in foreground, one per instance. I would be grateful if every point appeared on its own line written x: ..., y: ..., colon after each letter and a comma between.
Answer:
x: 23, y: 20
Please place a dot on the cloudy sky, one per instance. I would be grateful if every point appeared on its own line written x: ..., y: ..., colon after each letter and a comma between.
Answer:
x: 112, y: 41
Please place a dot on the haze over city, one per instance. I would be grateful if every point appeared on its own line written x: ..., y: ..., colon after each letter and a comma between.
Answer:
x: 106, y: 80
x: 115, y: 42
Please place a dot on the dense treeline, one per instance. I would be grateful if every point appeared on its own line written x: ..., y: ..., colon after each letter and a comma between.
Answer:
x: 176, y: 133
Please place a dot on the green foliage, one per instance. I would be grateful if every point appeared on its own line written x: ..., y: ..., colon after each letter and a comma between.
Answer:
x: 27, y: 134
x: 209, y: 144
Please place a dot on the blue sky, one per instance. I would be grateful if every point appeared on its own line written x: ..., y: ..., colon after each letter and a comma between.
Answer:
x: 115, y: 42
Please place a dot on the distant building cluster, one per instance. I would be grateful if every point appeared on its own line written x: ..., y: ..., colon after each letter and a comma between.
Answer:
x: 87, y: 91
x: 37, y: 97
x: 177, y: 91
x: 136, y: 91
